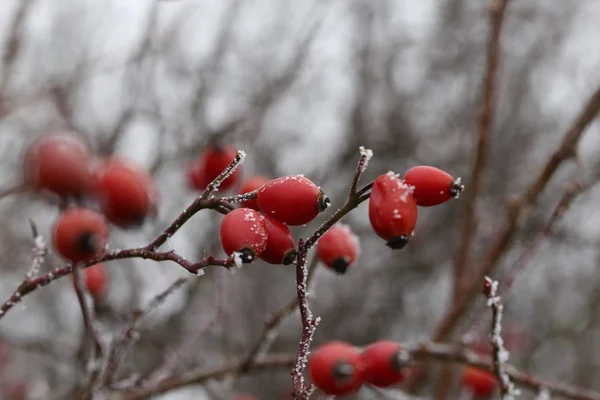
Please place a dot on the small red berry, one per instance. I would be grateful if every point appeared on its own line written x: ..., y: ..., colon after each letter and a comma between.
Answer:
x: 244, y: 397
x: 212, y: 163
x: 125, y: 192
x: 250, y: 185
x: 480, y: 382
x: 60, y: 163
x: 336, y: 368
x: 95, y: 279
x: 79, y: 234
x: 432, y: 186
x: 244, y: 230
x: 338, y: 248
x: 280, y: 243
x: 384, y: 362
x: 392, y: 210
x: 293, y: 200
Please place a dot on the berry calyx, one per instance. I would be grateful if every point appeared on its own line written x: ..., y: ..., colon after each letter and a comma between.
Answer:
x: 338, y: 248
x: 79, y: 234
x: 59, y: 163
x: 384, y: 362
x: 432, y: 186
x: 336, y: 368
x: 244, y: 231
x: 392, y: 210
x: 293, y: 200
x: 280, y: 243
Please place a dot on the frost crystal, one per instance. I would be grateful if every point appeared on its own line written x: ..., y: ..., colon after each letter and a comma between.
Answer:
x: 366, y: 155
x: 237, y: 259
x: 200, y: 272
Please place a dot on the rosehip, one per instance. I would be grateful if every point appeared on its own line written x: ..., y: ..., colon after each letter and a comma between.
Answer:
x: 79, y: 234
x: 336, y: 368
x: 95, y: 279
x: 250, y: 185
x: 480, y: 382
x: 392, y: 210
x: 383, y: 363
x: 280, y: 243
x: 293, y: 200
x: 60, y: 163
x: 125, y: 192
x: 432, y: 186
x: 244, y: 397
x: 211, y: 163
x: 244, y: 230
x: 338, y: 248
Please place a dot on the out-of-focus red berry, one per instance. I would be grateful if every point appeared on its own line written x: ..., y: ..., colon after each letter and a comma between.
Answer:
x: 336, y: 368
x: 250, y: 185
x: 95, y: 279
x: 244, y: 231
x: 125, y: 192
x: 432, y: 186
x: 79, y: 234
x: 59, y: 163
x: 293, y: 200
x: 392, y: 210
x: 478, y: 381
x: 280, y: 243
x: 338, y: 248
x: 211, y: 163
x: 383, y: 363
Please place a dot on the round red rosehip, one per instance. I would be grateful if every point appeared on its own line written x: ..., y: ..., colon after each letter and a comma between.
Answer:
x: 244, y: 231
x: 250, y: 185
x: 126, y: 193
x: 293, y: 200
x: 280, y: 243
x: 60, y: 163
x: 480, y: 382
x: 95, y: 279
x: 432, y: 186
x: 336, y: 368
x: 392, y: 210
x: 79, y: 234
x: 211, y: 163
x: 383, y: 363
x: 338, y: 248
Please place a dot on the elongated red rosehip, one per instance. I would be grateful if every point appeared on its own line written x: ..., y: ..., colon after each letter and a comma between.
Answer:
x: 480, y: 382
x: 244, y: 231
x: 338, y: 248
x: 392, y: 210
x: 125, y: 192
x: 250, y: 185
x: 432, y: 186
x: 95, y: 278
x: 280, y: 243
x: 336, y: 368
x: 293, y: 200
x: 384, y: 361
x: 60, y: 163
x: 79, y: 234
x: 210, y: 164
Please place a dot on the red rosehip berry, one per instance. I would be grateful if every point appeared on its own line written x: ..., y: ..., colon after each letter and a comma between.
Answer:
x: 79, y: 234
x: 95, y: 279
x: 244, y: 397
x: 125, y: 192
x: 211, y: 163
x: 392, y: 210
x: 336, y: 368
x: 280, y: 243
x: 432, y: 186
x: 338, y: 248
x: 293, y: 200
x: 480, y: 382
x: 59, y: 163
x: 384, y: 361
x: 250, y: 185
x: 244, y: 231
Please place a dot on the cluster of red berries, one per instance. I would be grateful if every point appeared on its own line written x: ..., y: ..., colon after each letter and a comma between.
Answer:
x: 338, y: 368
x: 393, y: 203
x: 62, y: 165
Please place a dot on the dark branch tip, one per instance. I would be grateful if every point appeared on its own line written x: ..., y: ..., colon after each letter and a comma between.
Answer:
x: 398, y: 242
